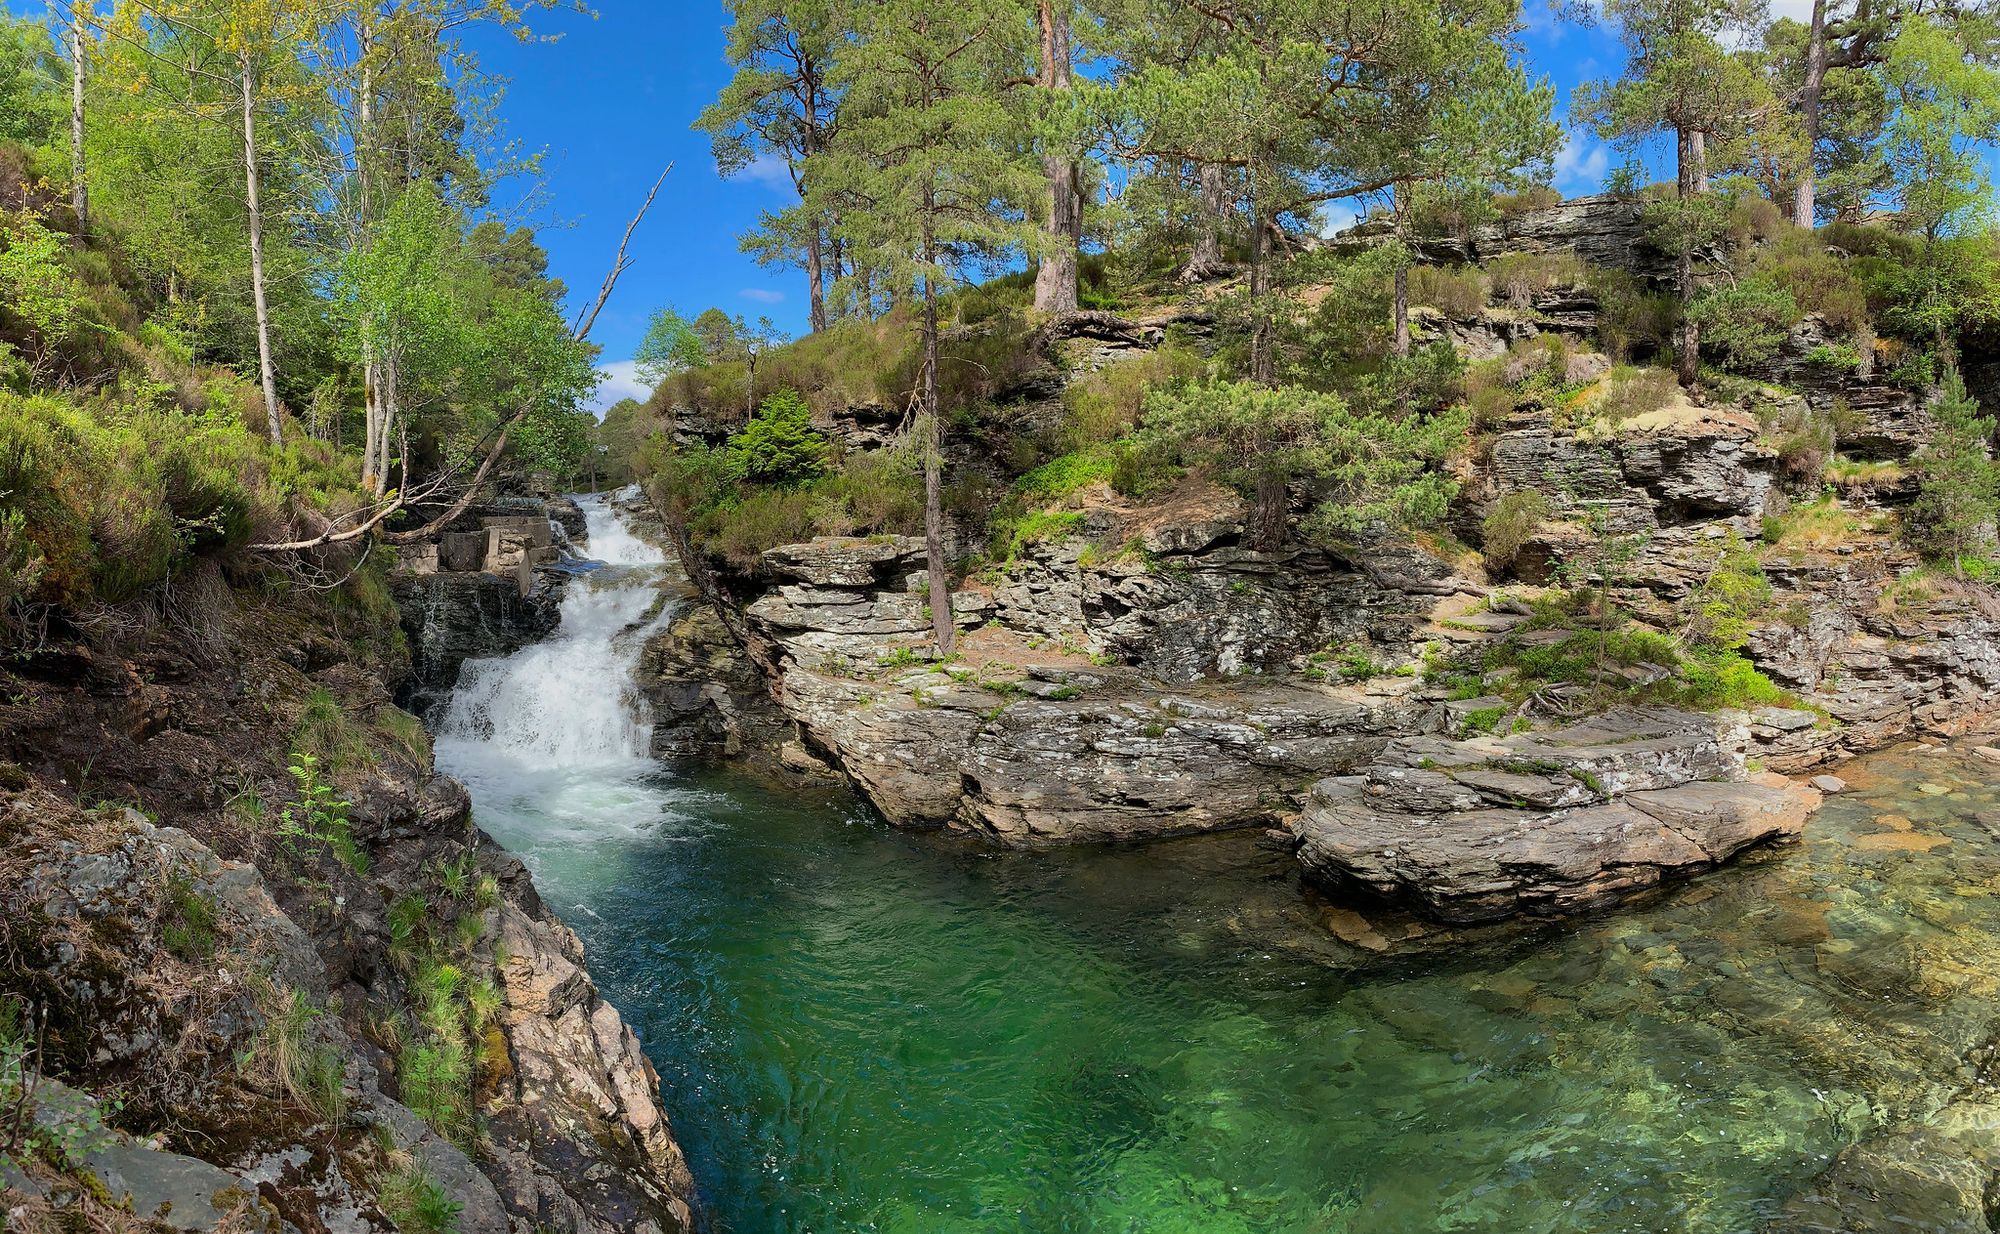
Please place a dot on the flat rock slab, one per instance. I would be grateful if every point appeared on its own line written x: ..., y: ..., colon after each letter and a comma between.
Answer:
x: 1542, y: 824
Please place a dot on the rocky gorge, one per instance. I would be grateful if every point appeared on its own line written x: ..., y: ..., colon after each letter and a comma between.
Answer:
x: 350, y: 1012
x: 1147, y: 672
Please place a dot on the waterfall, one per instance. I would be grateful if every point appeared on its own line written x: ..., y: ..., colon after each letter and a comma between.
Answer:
x: 568, y: 702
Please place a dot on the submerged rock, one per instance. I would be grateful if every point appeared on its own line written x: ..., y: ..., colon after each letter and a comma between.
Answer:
x: 1543, y: 823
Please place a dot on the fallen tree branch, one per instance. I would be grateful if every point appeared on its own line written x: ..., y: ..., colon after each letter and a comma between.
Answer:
x: 619, y: 264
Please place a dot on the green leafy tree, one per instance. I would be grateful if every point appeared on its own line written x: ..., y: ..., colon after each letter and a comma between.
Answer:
x: 670, y: 346
x: 1947, y: 112
x: 779, y: 446
x: 1368, y: 471
x: 924, y: 180
x: 1958, y: 492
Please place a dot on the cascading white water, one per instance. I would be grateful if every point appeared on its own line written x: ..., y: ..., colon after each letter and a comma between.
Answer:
x: 568, y: 703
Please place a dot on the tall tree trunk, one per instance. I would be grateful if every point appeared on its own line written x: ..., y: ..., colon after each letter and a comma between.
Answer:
x: 265, y: 368
x: 1263, y: 364
x: 1402, y: 343
x: 1688, y: 363
x: 816, y: 277
x: 944, y: 628
x: 1055, y: 281
x: 1803, y: 205
x: 1273, y: 513
x: 1699, y: 145
x: 1206, y: 259
x: 372, y: 477
x: 79, y: 188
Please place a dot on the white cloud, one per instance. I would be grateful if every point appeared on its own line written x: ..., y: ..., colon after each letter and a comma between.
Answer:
x: 618, y: 380
x: 767, y: 170
x: 762, y: 295
x: 1580, y: 165
x: 1337, y: 216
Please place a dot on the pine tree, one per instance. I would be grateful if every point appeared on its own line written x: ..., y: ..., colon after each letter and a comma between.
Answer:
x: 924, y: 178
x: 1958, y: 495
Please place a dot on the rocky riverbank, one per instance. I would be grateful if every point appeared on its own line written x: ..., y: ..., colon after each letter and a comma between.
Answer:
x: 1141, y: 669
x: 268, y: 971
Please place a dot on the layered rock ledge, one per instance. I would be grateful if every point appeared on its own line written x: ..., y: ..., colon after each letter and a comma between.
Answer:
x: 1544, y: 823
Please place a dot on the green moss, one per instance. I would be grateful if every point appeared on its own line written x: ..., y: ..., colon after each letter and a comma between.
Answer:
x: 187, y: 927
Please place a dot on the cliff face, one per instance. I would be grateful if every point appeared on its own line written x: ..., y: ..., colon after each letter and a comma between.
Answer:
x: 1143, y: 671
x: 240, y: 1001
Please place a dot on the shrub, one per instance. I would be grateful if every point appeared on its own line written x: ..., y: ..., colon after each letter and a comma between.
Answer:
x: 1522, y: 278
x: 1510, y: 523
x: 1819, y: 281
x: 1822, y: 524
x: 1534, y: 197
x: 1105, y: 404
x: 1804, y: 438
x: 1459, y: 292
x: 1958, y: 491
x: 1733, y: 595
x: 1367, y: 469
x: 761, y: 520
x: 1726, y: 679
x: 779, y: 445
x: 1746, y: 322
x: 416, y: 1203
x: 38, y: 289
x: 1632, y: 322
x: 1629, y: 392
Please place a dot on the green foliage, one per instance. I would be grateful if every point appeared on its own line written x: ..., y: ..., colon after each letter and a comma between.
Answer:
x: 434, y: 1079
x: 1632, y: 321
x: 780, y: 446
x: 670, y: 346
x: 1459, y: 292
x: 416, y: 1203
x: 317, y: 822
x: 38, y: 290
x: 1510, y: 523
x: 1746, y: 321
x: 1732, y: 597
x: 308, y: 1070
x: 1104, y: 405
x: 188, y: 923
x: 1521, y: 278
x: 1958, y: 491
x: 1366, y: 470
x: 1629, y: 392
x: 1798, y: 262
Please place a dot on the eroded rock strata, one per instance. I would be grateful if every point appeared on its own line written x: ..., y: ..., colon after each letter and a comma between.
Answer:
x: 1145, y: 671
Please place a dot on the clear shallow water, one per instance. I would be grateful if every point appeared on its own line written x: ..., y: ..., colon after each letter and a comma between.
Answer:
x: 859, y: 1029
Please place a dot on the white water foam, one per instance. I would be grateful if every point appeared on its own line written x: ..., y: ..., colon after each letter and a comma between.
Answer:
x: 568, y: 703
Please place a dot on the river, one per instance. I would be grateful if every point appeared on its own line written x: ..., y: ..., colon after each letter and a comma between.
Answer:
x: 862, y: 1029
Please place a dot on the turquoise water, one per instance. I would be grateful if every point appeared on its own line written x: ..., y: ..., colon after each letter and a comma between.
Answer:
x: 860, y: 1029
x: 863, y: 1030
